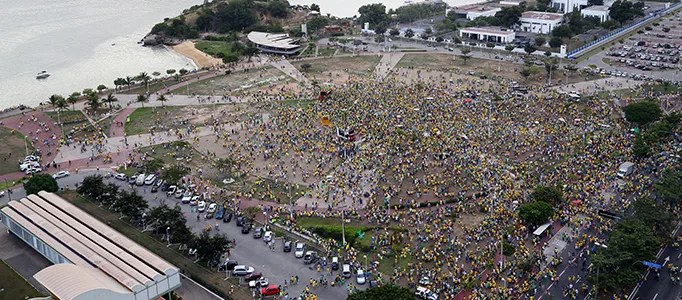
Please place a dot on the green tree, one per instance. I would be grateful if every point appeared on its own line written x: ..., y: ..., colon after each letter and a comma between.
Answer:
x: 145, y: 78
x: 643, y: 112
x: 183, y: 71
x: 540, y: 41
x: 173, y: 173
x: 625, y: 10
x: 110, y: 99
x: 73, y: 99
x: 374, y: 14
x: 509, y: 16
x: 130, y: 204
x: 315, y: 7
x: 156, y: 74
x: 278, y: 9
x: 536, y: 213
x: 54, y: 99
x: 40, y: 182
x: 384, y: 292
x: 93, y: 101
x: 562, y: 31
x: 440, y: 39
x: 555, y: 42
x: 640, y: 148
x: 91, y: 186
x: 170, y: 71
x: 551, y: 195
x: 235, y: 16
x: 210, y: 247
x: 465, y: 55
x: 152, y: 165
x: 141, y: 98
x: 610, y: 24
x: 61, y: 104
x: 317, y: 23
x: 509, y: 48
x: 669, y: 187
x: 379, y: 39
x: 394, y: 32
x: 529, y: 49
x: 162, y: 98
x: 409, y: 33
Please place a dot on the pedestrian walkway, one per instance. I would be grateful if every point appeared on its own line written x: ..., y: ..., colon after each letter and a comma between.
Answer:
x: 115, y: 129
x: 387, y: 63
x: 289, y: 69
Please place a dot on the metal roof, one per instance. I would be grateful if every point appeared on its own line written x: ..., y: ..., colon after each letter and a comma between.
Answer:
x: 67, y: 281
x: 274, y: 40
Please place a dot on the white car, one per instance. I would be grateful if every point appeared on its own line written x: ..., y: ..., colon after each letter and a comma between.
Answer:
x: 33, y: 171
x: 261, y: 282
x: 121, y: 176
x: 300, y: 250
x: 179, y: 193
x: 360, y: 276
x: 150, y: 179
x: 193, y: 201
x: 60, y: 174
x: 242, y: 270
x: 212, y: 207
x: 187, y: 197
x: 31, y: 158
x: 267, y: 236
x: 171, y: 190
x: 28, y: 164
x: 201, y: 206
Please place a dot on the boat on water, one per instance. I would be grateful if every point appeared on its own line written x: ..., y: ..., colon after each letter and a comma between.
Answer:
x: 42, y: 75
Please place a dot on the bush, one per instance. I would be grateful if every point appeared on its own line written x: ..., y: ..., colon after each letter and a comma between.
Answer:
x: 336, y: 232
x: 648, y: 28
x: 41, y: 182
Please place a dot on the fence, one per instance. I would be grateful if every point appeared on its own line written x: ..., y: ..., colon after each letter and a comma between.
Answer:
x: 620, y: 31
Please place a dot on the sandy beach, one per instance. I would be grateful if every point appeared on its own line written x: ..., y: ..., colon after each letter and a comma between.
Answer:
x: 199, y: 58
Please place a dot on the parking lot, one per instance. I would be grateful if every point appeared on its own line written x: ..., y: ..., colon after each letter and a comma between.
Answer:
x: 277, y: 266
x: 656, y: 46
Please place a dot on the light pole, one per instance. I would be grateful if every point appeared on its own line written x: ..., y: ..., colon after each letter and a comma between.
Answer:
x: 365, y: 256
x: 168, y: 235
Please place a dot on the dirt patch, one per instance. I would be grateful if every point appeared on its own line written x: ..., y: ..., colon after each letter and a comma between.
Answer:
x: 237, y: 80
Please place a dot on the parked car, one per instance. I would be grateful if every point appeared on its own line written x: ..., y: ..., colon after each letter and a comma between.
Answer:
x: 253, y: 276
x: 270, y: 290
x: 219, y: 212
x: 260, y: 282
x: 240, y: 221
x: 155, y: 189
x: 171, y: 190
x: 201, y: 206
x: 121, y: 176
x: 227, y: 218
x: 242, y: 270
x: 258, y: 233
x: 132, y: 179
x: 179, y: 193
x: 267, y: 237
x: 360, y: 277
x: 186, y: 197
x: 287, y: 246
x: 300, y: 250
x: 194, y: 200
x: 228, y: 265
x: 310, y: 257
x: 33, y: 171
x: 60, y: 174
x: 246, y: 228
x: 335, y: 263
x: 212, y: 208
x: 345, y: 271
x: 149, y: 180
x: 140, y: 179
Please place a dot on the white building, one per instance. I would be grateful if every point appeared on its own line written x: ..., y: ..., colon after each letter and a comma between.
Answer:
x: 566, y: 6
x: 599, y: 11
x: 487, y: 34
x: 473, y: 11
x: 510, y: 2
x: 540, y: 22
x: 278, y: 43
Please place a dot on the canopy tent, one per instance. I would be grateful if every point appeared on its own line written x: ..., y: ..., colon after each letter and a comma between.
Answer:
x: 541, y: 229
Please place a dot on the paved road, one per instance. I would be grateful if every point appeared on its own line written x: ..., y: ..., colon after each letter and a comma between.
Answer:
x: 663, y: 287
x: 277, y: 266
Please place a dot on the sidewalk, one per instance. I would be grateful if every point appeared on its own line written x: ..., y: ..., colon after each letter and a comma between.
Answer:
x: 388, y: 62
x: 289, y: 69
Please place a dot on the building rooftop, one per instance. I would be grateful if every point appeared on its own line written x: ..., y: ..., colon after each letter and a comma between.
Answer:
x: 538, y: 15
x: 273, y: 40
x: 106, y: 257
x: 601, y: 8
x: 475, y: 8
x: 488, y: 30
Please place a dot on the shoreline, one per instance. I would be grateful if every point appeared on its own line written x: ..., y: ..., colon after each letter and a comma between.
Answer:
x: 198, y: 58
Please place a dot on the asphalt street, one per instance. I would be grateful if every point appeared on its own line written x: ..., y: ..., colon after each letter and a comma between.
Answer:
x: 277, y: 266
x: 663, y: 287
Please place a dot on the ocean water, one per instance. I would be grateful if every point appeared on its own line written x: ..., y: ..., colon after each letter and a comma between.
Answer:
x: 82, y: 43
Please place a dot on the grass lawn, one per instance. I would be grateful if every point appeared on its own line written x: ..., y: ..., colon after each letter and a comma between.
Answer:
x: 5, y: 185
x: 12, y: 142
x: 326, y: 51
x: 422, y: 61
x: 13, y: 286
x: 216, y: 48
x: 143, y: 118
x: 358, y: 65
x: 213, y: 280
x: 73, y: 120
x: 159, y: 85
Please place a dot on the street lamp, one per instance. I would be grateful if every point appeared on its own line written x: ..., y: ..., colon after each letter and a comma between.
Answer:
x: 168, y: 235
x: 365, y: 256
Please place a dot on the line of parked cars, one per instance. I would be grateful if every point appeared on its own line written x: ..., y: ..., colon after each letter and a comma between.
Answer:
x: 30, y: 165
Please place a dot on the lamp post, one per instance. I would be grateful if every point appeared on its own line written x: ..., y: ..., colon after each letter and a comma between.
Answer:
x: 168, y: 235
x: 365, y: 256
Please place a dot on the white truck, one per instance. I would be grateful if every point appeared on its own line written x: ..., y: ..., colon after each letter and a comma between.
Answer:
x: 625, y: 169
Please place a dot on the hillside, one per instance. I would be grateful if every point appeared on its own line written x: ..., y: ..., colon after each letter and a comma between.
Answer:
x: 227, y: 21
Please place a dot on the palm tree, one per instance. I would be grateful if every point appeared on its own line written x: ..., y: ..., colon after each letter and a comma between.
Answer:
x: 129, y: 81
x: 141, y: 99
x: 144, y: 77
x: 73, y: 98
x: 93, y: 102
x: 110, y: 99
x: 61, y: 104
x: 162, y: 98
x: 54, y: 99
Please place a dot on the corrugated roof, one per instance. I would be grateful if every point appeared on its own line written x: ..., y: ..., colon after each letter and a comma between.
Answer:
x: 67, y: 281
x: 274, y: 40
